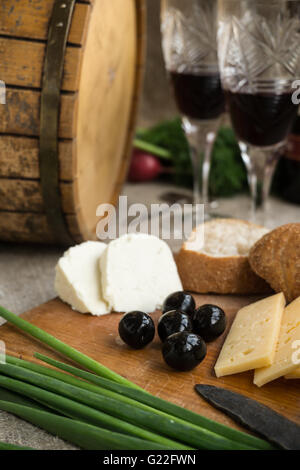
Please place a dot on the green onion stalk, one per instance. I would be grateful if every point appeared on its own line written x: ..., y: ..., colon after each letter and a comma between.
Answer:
x: 104, y: 401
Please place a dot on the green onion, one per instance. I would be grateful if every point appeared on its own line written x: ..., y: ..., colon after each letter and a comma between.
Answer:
x: 248, y: 439
x: 168, y: 426
x: 73, y: 381
x: 6, y: 446
x: 143, y: 397
x: 145, y: 400
x: 6, y: 395
x: 75, y: 410
x: 151, y: 148
x: 81, y: 434
x: 63, y: 348
x: 204, y: 433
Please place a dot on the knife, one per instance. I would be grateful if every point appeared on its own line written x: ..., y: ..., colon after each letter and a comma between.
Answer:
x: 253, y: 415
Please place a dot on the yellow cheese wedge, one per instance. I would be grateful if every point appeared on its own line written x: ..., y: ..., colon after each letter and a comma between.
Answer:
x: 252, y: 339
x: 293, y: 375
x: 287, y: 349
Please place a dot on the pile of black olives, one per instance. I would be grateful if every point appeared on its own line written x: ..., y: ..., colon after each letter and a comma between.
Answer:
x: 183, y: 330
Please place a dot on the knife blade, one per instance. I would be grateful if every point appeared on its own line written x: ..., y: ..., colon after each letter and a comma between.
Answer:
x: 253, y: 415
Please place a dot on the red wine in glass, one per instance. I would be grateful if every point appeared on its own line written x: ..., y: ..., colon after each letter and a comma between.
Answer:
x: 198, y: 96
x: 262, y: 119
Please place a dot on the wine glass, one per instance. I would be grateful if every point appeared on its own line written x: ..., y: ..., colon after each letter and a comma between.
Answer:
x: 189, y: 43
x: 259, y: 57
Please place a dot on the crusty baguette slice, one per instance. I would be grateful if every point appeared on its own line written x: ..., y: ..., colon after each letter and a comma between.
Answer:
x: 221, y: 265
x: 276, y: 258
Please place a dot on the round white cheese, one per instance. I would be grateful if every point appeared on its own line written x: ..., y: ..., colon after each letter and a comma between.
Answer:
x: 138, y: 272
x: 78, y: 278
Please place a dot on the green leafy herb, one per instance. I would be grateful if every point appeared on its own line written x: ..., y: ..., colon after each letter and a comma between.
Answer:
x: 228, y: 174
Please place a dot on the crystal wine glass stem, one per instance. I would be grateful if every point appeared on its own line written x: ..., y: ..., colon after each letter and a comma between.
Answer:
x: 260, y: 163
x: 196, y: 162
x: 201, y: 137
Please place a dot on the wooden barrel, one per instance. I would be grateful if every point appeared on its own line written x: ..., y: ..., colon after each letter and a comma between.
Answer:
x: 54, y: 173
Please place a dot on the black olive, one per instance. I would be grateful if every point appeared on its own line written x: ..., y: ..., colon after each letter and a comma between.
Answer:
x: 136, y: 329
x: 179, y: 301
x: 173, y: 322
x: 209, y: 321
x: 184, y: 351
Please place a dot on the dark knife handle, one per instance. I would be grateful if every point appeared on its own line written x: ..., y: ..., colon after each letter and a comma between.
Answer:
x: 254, y: 416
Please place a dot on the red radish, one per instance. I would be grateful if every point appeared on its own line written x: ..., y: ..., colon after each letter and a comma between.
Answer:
x: 144, y: 167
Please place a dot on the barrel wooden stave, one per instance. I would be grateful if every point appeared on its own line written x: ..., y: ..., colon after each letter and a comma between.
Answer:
x: 115, y: 82
x: 25, y: 161
x: 22, y: 64
x: 21, y: 114
x: 25, y: 26
x: 29, y: 19
x: 23, y: 195
x: 25, y: 227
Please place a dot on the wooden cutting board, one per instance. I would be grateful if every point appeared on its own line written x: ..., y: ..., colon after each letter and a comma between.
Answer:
x: 98, y: 338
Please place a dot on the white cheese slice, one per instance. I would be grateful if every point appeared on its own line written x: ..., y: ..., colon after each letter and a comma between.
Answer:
x: 252, y: 339
x: 285, y: 358
x: 138, y: 272
x: 78, y: 280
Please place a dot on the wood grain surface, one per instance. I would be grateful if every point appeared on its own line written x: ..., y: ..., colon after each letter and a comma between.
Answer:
x: 23, y: 61
x: 26, y: 196
x: 27, y: 19
x: 107, y: 106
x: 22, y: 114
x: 32, y: 227
x: 100, y: 90
x: 25, y: 161
x: 98, y: 338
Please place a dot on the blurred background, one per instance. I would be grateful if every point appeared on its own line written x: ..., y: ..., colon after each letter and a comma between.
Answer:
x: 157, y: 101
x: 228, y: 174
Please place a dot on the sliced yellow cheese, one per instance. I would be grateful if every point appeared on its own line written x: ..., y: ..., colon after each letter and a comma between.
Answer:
x: 287, y: 355
x: 252, y: 339
x: 294, y: 375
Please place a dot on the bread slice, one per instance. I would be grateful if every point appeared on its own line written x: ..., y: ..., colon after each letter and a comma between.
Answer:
x: 276, y: 258
x: 220, y: 265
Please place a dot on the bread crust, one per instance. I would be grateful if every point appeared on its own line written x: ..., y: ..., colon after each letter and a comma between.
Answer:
x: 276, y: 258
x: 203, y: 273
x: 227, y: 275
